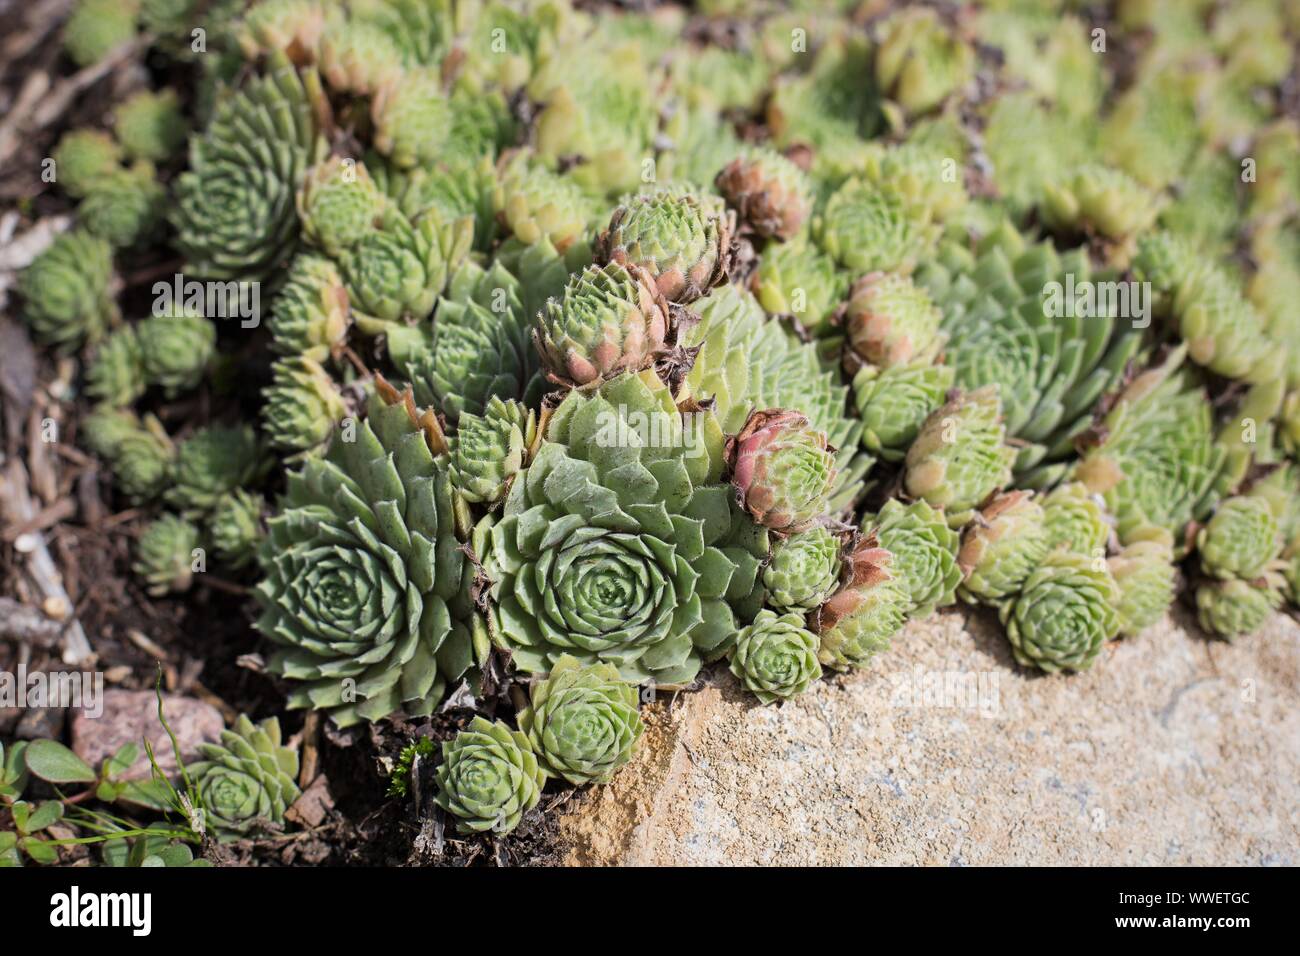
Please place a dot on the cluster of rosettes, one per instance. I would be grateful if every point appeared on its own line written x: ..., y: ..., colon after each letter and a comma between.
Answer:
x: 671, y: 395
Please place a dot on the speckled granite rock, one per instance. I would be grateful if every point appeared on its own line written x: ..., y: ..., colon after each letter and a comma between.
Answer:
x: 1172, y: 750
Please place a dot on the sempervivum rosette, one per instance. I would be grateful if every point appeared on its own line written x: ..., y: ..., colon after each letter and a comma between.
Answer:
x: 771, y: 195
x: 858, y: 620
x: 960, y: 457
x: 489, y: 450
x: 681, y: 240
x: 798, y: 279
x: 782, y: 469
x: 1064, y: 613
x: 617, y: 543
x: 924, y: 553
x: 610, y: 318
x: 1147, y: 578
x: 775, y: 657
x: 895, y: 402
x: 535, y: 203
x: 919, y: 61
x: 399, y: 268
x: 309, y: 316
x: 743, y: 363
x: 868, y: 227
x: 176, y: 349
x: 1234, y: 607
x: 412, y: 118
x: 116, y: 376
x: 124, y: 207
x: 235, y: 214
x: 1075, y: 520
x: 1099, y: 199
x: 478, y: 345
x: 212, y: 462
x: 803, y: 570
x: 67, y: 297
x: 1008, y: 323
x: 890, y: 321
x: 582, y: 721
x: 1005, y: 541
x: 1158, y: 462
x: 365, y: 580
x: 246, y: 781
x: 236, y: 528
x: 83, y: 158
x: 164, y: 556
x: 338, y: 204
x: 1241, y: 540
x: 489, y: 778
x: 302, y: 406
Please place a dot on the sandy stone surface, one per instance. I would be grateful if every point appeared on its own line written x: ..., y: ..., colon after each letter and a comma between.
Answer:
x: 1173, y: 750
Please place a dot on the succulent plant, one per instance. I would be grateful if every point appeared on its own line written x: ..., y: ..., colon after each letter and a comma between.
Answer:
x: 97, y: 28
x: 1223, y: 330
x: 797, y: 279
x: 924, y: 551
x: 303, y: 406
x: 615, y: 544
x: 610, y: 318
x: 83, y: 158
x: 895, y: 402
x: 891, y: 321
x: 775, y: 657
x: 919, y: 62
x: 771, y: 195
x: 870, y: 227
x: 247, y: 781
x: 234, y: 207
x: 858, y: 620
x: 1159, y: 463
x: 211, y: 463
x: 361, y: 58
x: 681, y: 241
x: 125, y: 206
x: 1099, y: 199
x: 143, y: 461
x: 412, y: 117
x: 1075, y: 520
x: 1064, y: 613
x: 582, y: 721
x: 66, y: 291
x: 489, y: 778
x: 400, y: 268
x: 803, y: 570
x: 338, y: 204
x: 116, y: 377
x: 1233, y: 607
x: 782, y: 469
x: 744, y: 363
x: 309, y: 315
x: 488, y: 451
x: 1241, y: 540
x: 103, y: 429
x: 150, y: 125
x: 365, y: 585
x: 1001, y: 546
x: 164, y: 555
x: 478, y: 346
x: 960, y: 458
x: 291, y: 27
x: 1146, y: 576
x: 535, y: 203
x: 235, y: 527
x: 1010, y: 318
x: 176, y: 349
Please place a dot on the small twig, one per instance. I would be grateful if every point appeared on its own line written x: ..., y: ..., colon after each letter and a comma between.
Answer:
x: 16, y: 504
x: 20, y: 622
